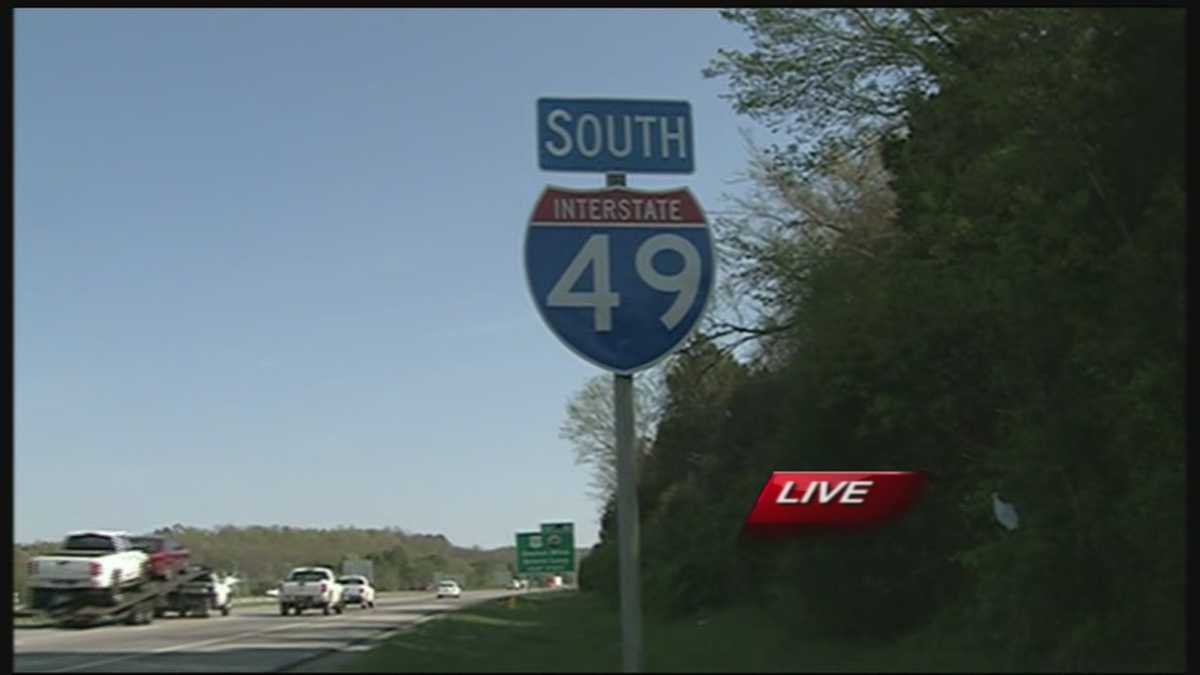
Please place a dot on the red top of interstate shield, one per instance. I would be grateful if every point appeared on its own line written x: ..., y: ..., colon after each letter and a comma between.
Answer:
x: 617, y: 206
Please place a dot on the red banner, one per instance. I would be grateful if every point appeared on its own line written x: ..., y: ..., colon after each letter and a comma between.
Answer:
x: 793, y: 501
x: 617, y: 205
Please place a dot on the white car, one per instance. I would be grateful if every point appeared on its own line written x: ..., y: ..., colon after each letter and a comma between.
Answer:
x: 356, y: 588
x: 448, y: 589
x: 209, y: 591
x: 220, y: 590
x: 311, y: 587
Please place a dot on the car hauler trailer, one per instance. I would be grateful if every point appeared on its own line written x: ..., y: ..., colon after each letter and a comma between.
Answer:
x: 134, y: 606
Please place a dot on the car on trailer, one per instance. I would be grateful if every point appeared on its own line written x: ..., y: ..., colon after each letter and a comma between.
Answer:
x: 207, y: 592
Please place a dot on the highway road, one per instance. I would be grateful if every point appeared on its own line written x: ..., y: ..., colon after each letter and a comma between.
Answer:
x: 251, y: 639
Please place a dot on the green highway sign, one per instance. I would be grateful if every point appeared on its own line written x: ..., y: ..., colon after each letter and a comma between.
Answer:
x: 551, y: 550
x: 560, y: 535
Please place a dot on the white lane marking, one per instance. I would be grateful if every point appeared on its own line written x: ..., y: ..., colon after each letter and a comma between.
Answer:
x: 237, y: 636
x: 56, y: 637
x: 382, y: 634
x: 174, y: 648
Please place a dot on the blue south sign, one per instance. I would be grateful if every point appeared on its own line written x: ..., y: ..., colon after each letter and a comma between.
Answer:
x: 613, y: 135
x: 621, y: 276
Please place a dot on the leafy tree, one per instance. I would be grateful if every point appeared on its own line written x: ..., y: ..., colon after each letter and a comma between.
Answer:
x: 590, y: 426
x: 1002, y: 307
x: 838, y: 76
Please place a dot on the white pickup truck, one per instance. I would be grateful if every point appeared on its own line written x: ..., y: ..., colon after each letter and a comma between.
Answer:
x: 102, y: 564
x: 311, y: 587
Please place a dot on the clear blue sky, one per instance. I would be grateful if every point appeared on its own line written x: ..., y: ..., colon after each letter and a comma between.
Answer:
x: 269, y: 268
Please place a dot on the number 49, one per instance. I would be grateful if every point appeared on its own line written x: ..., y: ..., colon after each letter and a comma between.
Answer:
x: 602, y: 299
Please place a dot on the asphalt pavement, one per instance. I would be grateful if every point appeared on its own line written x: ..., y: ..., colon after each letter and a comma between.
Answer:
x: 252, y: 639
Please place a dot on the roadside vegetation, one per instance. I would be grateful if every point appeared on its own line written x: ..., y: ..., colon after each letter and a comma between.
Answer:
x: 970, y: 263
x: 579, y: 632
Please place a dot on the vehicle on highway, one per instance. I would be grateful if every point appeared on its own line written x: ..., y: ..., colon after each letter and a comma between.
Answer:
x: 448, y: 589
x: 167, y: 557
x: 208, y: 592
x: 135, y: 604
x: 356, y: 588
x: 273, y: 592
x: 309, y: 588
x: 98, y: 564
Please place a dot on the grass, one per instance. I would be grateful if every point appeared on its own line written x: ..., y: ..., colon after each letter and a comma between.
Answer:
x: 552, y: 632
x: 573, y: 632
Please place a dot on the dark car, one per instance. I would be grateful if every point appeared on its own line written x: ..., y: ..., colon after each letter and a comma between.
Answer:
x: 167, y: 556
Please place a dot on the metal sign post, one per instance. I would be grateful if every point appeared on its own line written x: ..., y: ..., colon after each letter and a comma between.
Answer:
x: 628, y: 539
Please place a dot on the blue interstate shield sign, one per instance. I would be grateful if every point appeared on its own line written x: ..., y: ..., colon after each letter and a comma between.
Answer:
x: 621, y: 276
